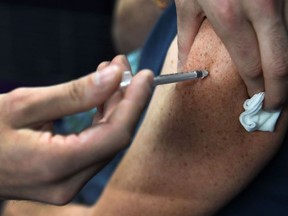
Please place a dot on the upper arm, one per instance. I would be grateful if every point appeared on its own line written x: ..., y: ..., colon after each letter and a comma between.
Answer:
x: 129, y: 33
x: 191, y: 155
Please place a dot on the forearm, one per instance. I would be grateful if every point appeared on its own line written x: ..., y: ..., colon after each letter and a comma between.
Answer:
x: 24, y: 208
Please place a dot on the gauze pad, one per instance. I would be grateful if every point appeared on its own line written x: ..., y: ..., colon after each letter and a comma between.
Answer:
x: 254, y: 118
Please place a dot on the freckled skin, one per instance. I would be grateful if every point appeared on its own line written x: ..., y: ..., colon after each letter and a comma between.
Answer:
x: 191, y: 155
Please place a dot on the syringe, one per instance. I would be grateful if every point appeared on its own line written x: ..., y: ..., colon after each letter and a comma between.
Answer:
x: 166, y: 78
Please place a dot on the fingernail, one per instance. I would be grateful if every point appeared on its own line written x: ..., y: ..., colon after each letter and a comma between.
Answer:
x: 105, y: 76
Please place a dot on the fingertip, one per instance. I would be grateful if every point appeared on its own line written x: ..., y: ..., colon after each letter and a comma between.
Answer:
x: 107, y: 76
x: 274, y: 99
x: 272, y: 103
x: 102, y: 65
x: 276, y: 91
x: 253, y: 90
x: 148, y: 73
x: 122, y: 61
x: 254, y: 84
x: 147, y: 76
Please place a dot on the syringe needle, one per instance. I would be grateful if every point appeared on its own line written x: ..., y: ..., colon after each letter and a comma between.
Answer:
x: 167, y: 78
x: 179, y: 77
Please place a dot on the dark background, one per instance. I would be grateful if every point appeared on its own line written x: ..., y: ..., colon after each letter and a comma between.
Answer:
x: 44, y: 42
x: 48, y: 42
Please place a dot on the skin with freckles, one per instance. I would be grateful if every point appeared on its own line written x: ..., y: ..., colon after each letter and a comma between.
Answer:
x: 191, y: 155
x: 36, y: 162
x: 254, y: 33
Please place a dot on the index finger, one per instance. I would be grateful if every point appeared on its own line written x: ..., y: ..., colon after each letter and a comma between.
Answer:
x: 189, y: 19
x: 272, y: 35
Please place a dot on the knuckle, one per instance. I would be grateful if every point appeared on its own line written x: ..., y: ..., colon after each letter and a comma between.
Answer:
x: 276, y: 102
x: 52, y: 173
x: 266, y: 6
x: 278, y: 65
x: 16, y: 95
x: 74, y: 91
x: 252, y: 70
x: 61, y: 195
x: 253, y: 75
x: 279, y: 72
x: 17, y: 100
x: 47, y: 176
x: 226, y: 13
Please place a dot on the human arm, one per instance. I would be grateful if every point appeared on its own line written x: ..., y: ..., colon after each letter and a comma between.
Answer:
x: 28, y: 208
x: 255, y: 34
x: 133, y: 20
x: 36, y: 163
x: 191, y: 155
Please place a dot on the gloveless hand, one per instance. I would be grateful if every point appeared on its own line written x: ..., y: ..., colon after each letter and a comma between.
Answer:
x: 36, y: 163
x: 255, y: 34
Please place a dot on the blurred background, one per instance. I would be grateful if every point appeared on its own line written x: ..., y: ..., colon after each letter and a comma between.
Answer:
x: 47, y: 42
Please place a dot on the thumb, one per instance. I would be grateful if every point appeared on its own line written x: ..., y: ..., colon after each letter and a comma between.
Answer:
x: 48, y: 103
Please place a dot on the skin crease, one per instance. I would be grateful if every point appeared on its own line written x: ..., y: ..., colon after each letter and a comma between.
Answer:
x: 191, y: 155
x: 23, y: 208
x: 254, y: 33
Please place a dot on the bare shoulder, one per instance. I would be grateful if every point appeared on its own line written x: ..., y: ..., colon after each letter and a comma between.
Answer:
x: 191, y: 155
